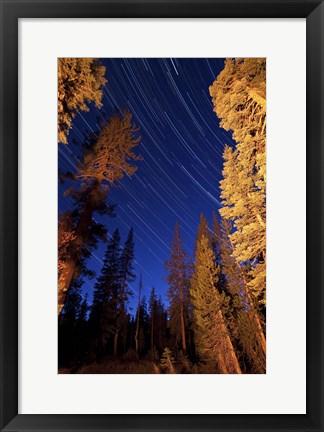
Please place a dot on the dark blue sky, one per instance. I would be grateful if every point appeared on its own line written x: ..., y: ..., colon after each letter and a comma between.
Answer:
x: 182, y: 147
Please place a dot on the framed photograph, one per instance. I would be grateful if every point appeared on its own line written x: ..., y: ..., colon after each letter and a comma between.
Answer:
x: 161, y: 216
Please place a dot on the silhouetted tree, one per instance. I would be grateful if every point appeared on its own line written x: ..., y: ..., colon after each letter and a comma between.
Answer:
x: 106, y: 299
x: 69, y: 325
x: 153, y: 305
x: 178, y: 277
x: 127, y: 276
x: 105, y: 162
x: 138, y: 315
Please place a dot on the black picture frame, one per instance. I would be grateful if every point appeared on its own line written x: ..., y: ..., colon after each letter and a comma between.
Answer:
x: 11, y: 11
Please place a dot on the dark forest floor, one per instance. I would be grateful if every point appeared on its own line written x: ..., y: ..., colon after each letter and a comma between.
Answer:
x: 114, y: 366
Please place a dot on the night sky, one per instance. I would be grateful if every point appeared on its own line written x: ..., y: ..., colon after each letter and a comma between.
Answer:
x: 182, y: 146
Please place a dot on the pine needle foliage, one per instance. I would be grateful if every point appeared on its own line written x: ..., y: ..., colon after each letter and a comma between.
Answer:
x: 245, y: 320
x: 110, y: 157
x: 239, y: 98
x: 80, y: 82
x: 212, y: 338
x: 105, y: 308
x: 178, y: 277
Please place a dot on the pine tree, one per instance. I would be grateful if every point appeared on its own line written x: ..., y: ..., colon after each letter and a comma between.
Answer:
x: 168, y: 361
x: 105, y: 308
x: 153, y: 309
x: 82, y: 331
x: 106, y: 161
x: 80, y: 82
x: 178, y: 277
x: 143, y: 340
x: 162, y: 323
x: 203, y: 229
x: 239, y: 98
x: 82, y: 318
x: 127, y: 276
x: 138, y: 315
x: 233, y: 273
x: 247, y: 325
x: 158, y: 321
x: 72, y: 306
x: 211, y: 334
x: 68, y: 321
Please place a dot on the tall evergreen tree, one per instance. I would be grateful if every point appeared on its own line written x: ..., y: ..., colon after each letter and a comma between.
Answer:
x: 82, y: 331
x: 203, y: 229
x: 143, y: 338
x: 212, y: 338
x: 127, y: 276
x: 247, y: 325
x: 105, y: 308
x: 80, y: 82
x: 161, y: 324
x: 68, y: 325
x: 138, y: 314
x: 106, y: 161
x: 239, y: 98
x: 178, y: 277
x: 158, y: 323
x: 153, y: 309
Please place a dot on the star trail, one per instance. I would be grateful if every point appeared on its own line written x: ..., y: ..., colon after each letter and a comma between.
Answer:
x: 182, y: 145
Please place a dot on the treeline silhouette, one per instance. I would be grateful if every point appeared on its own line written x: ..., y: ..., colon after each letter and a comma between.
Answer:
x: 215, y: 321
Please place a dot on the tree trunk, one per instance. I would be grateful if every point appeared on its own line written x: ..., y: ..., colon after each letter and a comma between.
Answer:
x: 260, y: 334
x: 226, y: 346
x: 136, y: 339
x: 183, y: 331
x: 81, y: 231
x: 182, y: 322
x: 152, y: 330
x: 124, y: 315
x: 131, y: 336
x: 221, y: 363
x: 138, y: 317
x: 64, y: 282
x: 116, y: 343
x: 234, y: 362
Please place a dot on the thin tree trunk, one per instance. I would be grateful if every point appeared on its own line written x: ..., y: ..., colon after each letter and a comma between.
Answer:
x: 124, y: 315
x: 183, y: 330
x: 182, y: 322
x: 125, y: 333
x: 138, y: 317
x: 116, y: 343
x: 131, y: 335
x: 136, y: 335
x: 152, y: 330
